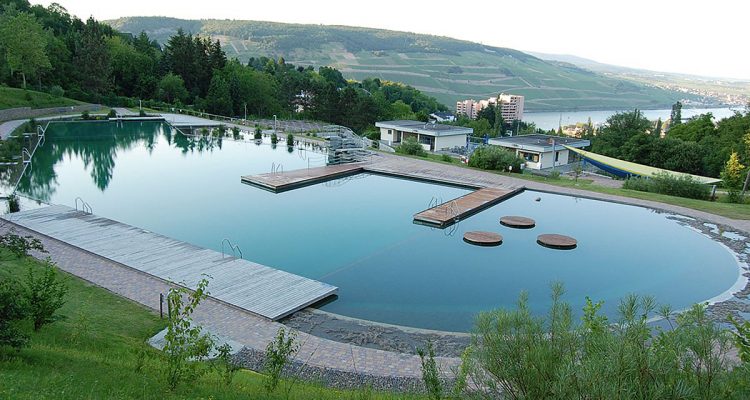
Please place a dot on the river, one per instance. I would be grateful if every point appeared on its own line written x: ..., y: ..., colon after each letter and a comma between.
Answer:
x: 551, y: 120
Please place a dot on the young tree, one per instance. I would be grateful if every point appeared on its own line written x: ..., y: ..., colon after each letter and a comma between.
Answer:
x: 732, y: 175
x: 278, y: 354
x: 45, y: 295
x: 676, y: 116
x: 24, y: 42
x: 185, y: 343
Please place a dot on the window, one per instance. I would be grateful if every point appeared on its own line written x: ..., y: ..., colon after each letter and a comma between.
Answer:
x: 530, y: 157
x: 557, y: 156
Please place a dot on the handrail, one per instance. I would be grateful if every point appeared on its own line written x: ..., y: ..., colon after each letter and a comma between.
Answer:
x: 85, y: 207
x: 234, y: 247
x: 24, y: 153
x: 277, y: 168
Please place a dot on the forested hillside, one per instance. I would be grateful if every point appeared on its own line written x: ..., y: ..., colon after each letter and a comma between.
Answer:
x: 47, y: 49
x: 445, y: 68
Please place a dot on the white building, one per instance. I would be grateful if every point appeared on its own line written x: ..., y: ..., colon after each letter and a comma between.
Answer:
x: 442, y: 116
x: 541, y: 151
x: 511, y: 106
x: 431, y: 136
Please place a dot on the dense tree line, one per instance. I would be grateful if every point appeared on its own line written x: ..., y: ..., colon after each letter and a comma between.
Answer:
x: 696, y: 146
x: 90, y: 61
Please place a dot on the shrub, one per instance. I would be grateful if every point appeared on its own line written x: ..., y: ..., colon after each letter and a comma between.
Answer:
x: 555, y: 174
x: 221, y: 131
x: 515, y: 354
x: 495, y: 158
x: 666, y: 183
x: 274, y: 138
x: 411, y: 147
x: 85, y: 115
x: 430, y: 372
x: 278, y: 354
x: 13, y: 311
x: 142, y: 113
x: 290, y: 140
x: 258, y: 133
x: 185, y: 343
x: 20, y: 245
x: 57, y: 91
x: 13, y: 204
x: 45, y: 295
x: 227, y: 367
x: 235, y: 133
x: 446, y: 158
x: 112, y: 113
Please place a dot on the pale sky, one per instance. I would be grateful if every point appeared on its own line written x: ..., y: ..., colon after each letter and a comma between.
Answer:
x: 706, y: 38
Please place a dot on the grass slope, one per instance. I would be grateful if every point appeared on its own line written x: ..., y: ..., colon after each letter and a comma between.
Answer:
x: 13, y: 97
x: 93, y: 352
x: 445, y: 68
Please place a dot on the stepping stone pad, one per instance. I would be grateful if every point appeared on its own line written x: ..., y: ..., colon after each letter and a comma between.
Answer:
x: 554, y: 241
x: 481, y: 238
x: 514, y: 221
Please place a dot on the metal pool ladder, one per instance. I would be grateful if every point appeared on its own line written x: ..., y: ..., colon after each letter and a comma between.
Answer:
x: 234, y: 247
x: 85, y: 207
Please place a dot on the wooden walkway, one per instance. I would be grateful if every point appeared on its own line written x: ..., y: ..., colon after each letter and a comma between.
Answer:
x: 283, y: 181
x: 452, y: 211
x: 262, y: 290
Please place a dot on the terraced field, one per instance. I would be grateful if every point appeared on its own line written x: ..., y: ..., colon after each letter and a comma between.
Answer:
x: 445, y: 68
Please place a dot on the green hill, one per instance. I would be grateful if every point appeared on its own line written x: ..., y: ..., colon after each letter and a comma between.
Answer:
x: 12, y: 98
x: 445, y: 68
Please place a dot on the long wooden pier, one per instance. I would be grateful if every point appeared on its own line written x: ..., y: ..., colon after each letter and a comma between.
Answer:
x: 450, y: 212
x: 262, y: 290
x: 283, y: 181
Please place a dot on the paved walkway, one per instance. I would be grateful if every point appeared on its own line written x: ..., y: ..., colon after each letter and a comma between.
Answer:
x: 230, y: 322
x: 6, y: 128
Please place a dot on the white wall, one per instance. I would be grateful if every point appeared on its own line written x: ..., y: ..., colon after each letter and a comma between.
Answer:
x: 384, y: 135
x: 446, y: 142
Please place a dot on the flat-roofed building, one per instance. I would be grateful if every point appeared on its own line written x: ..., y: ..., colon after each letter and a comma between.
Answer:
x: 431, y: 136
x: 541, y: 151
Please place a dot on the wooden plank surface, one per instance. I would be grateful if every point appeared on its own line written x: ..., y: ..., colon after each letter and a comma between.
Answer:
x: 281, y: 181
x: 262, y: 290
x: 451, y: 211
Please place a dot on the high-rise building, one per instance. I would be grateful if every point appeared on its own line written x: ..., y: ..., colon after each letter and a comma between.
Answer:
x: 511, y: 106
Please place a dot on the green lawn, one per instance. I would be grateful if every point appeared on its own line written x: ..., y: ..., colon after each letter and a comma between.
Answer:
x: 12, y: 98
x: 93, y: 352
x: 719, y: 207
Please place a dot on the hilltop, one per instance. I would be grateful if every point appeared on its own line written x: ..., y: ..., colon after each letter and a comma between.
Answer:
x: 446, y: 68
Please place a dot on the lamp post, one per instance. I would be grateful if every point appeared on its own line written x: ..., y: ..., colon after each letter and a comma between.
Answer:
x: 274, y: 123
x: 245, y: 112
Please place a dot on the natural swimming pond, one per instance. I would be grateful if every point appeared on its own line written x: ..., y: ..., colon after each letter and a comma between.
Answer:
x: 357, y: 233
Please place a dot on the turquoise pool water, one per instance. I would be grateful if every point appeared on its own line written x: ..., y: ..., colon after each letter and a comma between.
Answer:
x: 358, y: 234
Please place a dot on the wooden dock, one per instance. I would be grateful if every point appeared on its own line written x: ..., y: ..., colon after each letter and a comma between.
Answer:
x: 282, y: 181
x: 450, y: 212
x: 262, y: 290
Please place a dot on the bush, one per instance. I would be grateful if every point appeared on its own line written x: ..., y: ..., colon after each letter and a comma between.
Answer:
x: 45, y: 295
x: 186, y: 344
x: 495, y: 158
x: 515, y: 354
x: 258, y: 133
x: 290, y: 140
x: 274, y: 138
x: 235, y: 133
x: 142, y: 113
x: 57, y: 91
x: 20, y: 246
x: 666, y: 183
x: 13, y: 311
x: 85, y: 115
x: 555, y: 175
x: 446, y: 158
x: 112, y: 113
x: 411, y: 147
x: 13, y: 204
x: 278, y: 354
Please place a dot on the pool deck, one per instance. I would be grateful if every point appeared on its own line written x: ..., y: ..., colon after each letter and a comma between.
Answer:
x: 451, y: 211
x: 261, y: 290
x: 281, y: 181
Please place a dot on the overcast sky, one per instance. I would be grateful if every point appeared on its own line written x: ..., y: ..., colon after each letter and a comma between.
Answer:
x: 696, y: 37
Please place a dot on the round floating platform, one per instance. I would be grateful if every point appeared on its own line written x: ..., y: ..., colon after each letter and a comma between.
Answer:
x: 480, y: 238
x: 554, y: 241
x: 514, y: 221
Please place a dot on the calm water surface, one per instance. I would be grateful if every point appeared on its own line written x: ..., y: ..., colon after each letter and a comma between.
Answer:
x: 358, y: 234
